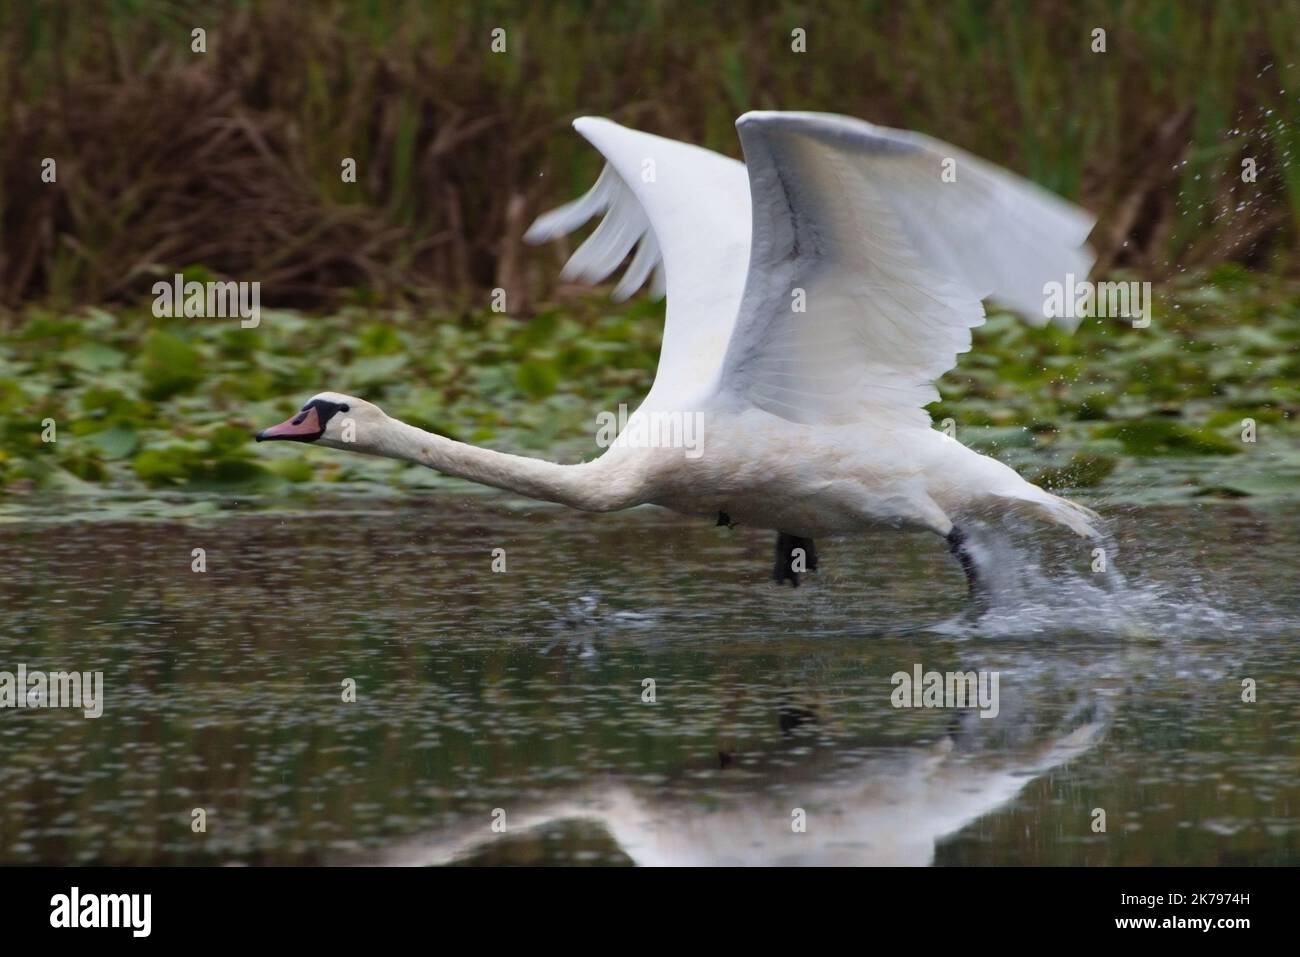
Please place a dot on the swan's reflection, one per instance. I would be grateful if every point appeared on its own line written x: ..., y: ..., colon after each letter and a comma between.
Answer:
x: 869, y: 805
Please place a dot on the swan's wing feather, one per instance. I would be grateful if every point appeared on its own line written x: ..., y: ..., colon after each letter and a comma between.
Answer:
x: 623, y: 229
x: 867, y: 269
x: 684, y: 214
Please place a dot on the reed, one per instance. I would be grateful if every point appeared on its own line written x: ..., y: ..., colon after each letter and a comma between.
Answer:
x: 229, y: 161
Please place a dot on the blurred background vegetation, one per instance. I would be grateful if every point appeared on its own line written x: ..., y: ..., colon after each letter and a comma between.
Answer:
x: 226, y: 164
x: 230, y: 159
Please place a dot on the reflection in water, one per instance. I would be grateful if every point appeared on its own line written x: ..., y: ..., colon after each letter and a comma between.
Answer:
x: 886, y: 808
x: 523, y: 691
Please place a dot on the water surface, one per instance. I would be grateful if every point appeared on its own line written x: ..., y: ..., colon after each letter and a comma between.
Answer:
x: 518, y: 696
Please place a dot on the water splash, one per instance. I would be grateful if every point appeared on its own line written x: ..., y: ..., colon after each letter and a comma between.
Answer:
x: 1033, y: 587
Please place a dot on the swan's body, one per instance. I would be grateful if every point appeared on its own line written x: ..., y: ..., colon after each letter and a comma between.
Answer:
x: 813, y: 297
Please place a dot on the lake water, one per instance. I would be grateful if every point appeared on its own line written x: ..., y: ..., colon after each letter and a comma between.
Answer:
x: 517, y: 699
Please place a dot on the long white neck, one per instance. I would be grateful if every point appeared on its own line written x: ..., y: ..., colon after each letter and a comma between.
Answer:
x: 592, y: 486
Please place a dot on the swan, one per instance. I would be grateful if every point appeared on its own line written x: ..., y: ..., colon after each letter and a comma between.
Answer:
x: 815, y: 292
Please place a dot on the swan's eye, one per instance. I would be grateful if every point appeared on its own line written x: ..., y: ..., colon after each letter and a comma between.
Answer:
x: 346, y: 408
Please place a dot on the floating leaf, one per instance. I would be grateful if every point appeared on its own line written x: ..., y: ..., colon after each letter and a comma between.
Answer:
x: 537, y: 379
x: 114, y: 443
x: 1084, y: 470
x: 374, y: 370
x: 1163, y: 437
x: 168, y: 466
x: 168, y: 365
x: 93, y: 357
x: 295, y: 470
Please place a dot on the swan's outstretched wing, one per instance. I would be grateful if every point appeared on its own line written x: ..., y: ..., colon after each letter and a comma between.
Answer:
x: 867, y: 268
x: 686, y: 212
x: 624, y: 228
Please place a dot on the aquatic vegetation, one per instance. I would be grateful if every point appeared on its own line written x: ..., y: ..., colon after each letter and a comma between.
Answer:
x: 140, y: 403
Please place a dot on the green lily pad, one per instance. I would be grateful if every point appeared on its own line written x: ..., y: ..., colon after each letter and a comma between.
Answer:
x: 93, y: 357
x: 537, y: 379
x: 1165, y: 437
x: 370, y: 371
x: 168, y: 365
x: 1084, y: 470
x: 115, y: 443
x: 293, y: 470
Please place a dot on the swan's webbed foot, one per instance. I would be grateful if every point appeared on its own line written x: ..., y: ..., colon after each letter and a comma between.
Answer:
x: 791, y: 717
x: 724, y: 520
x: 957, y: 545
x: 790, y: 565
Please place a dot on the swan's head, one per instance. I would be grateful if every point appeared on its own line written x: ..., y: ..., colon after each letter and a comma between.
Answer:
x: 331, y: 419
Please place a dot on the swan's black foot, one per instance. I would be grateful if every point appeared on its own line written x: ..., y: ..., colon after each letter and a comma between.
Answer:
x: 791, y: 716
x: 794, y: 555
x: 957, y: 545
x: 725, y: 519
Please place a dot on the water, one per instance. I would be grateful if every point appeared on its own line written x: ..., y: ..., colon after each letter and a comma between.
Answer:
x: 484, y: 697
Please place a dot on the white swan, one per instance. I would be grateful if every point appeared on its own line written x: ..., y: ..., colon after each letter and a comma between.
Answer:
x: 814, y: 295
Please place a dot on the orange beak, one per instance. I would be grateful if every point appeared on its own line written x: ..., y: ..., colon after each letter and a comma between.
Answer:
x: 303, y: 427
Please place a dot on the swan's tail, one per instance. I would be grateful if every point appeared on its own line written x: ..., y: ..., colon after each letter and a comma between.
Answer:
x: 1079, y: 519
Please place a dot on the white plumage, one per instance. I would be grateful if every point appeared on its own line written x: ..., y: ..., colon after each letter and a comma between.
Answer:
x: 815, y: 293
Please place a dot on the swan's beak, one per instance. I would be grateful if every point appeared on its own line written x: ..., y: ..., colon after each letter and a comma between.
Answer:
x: 303, y: 427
